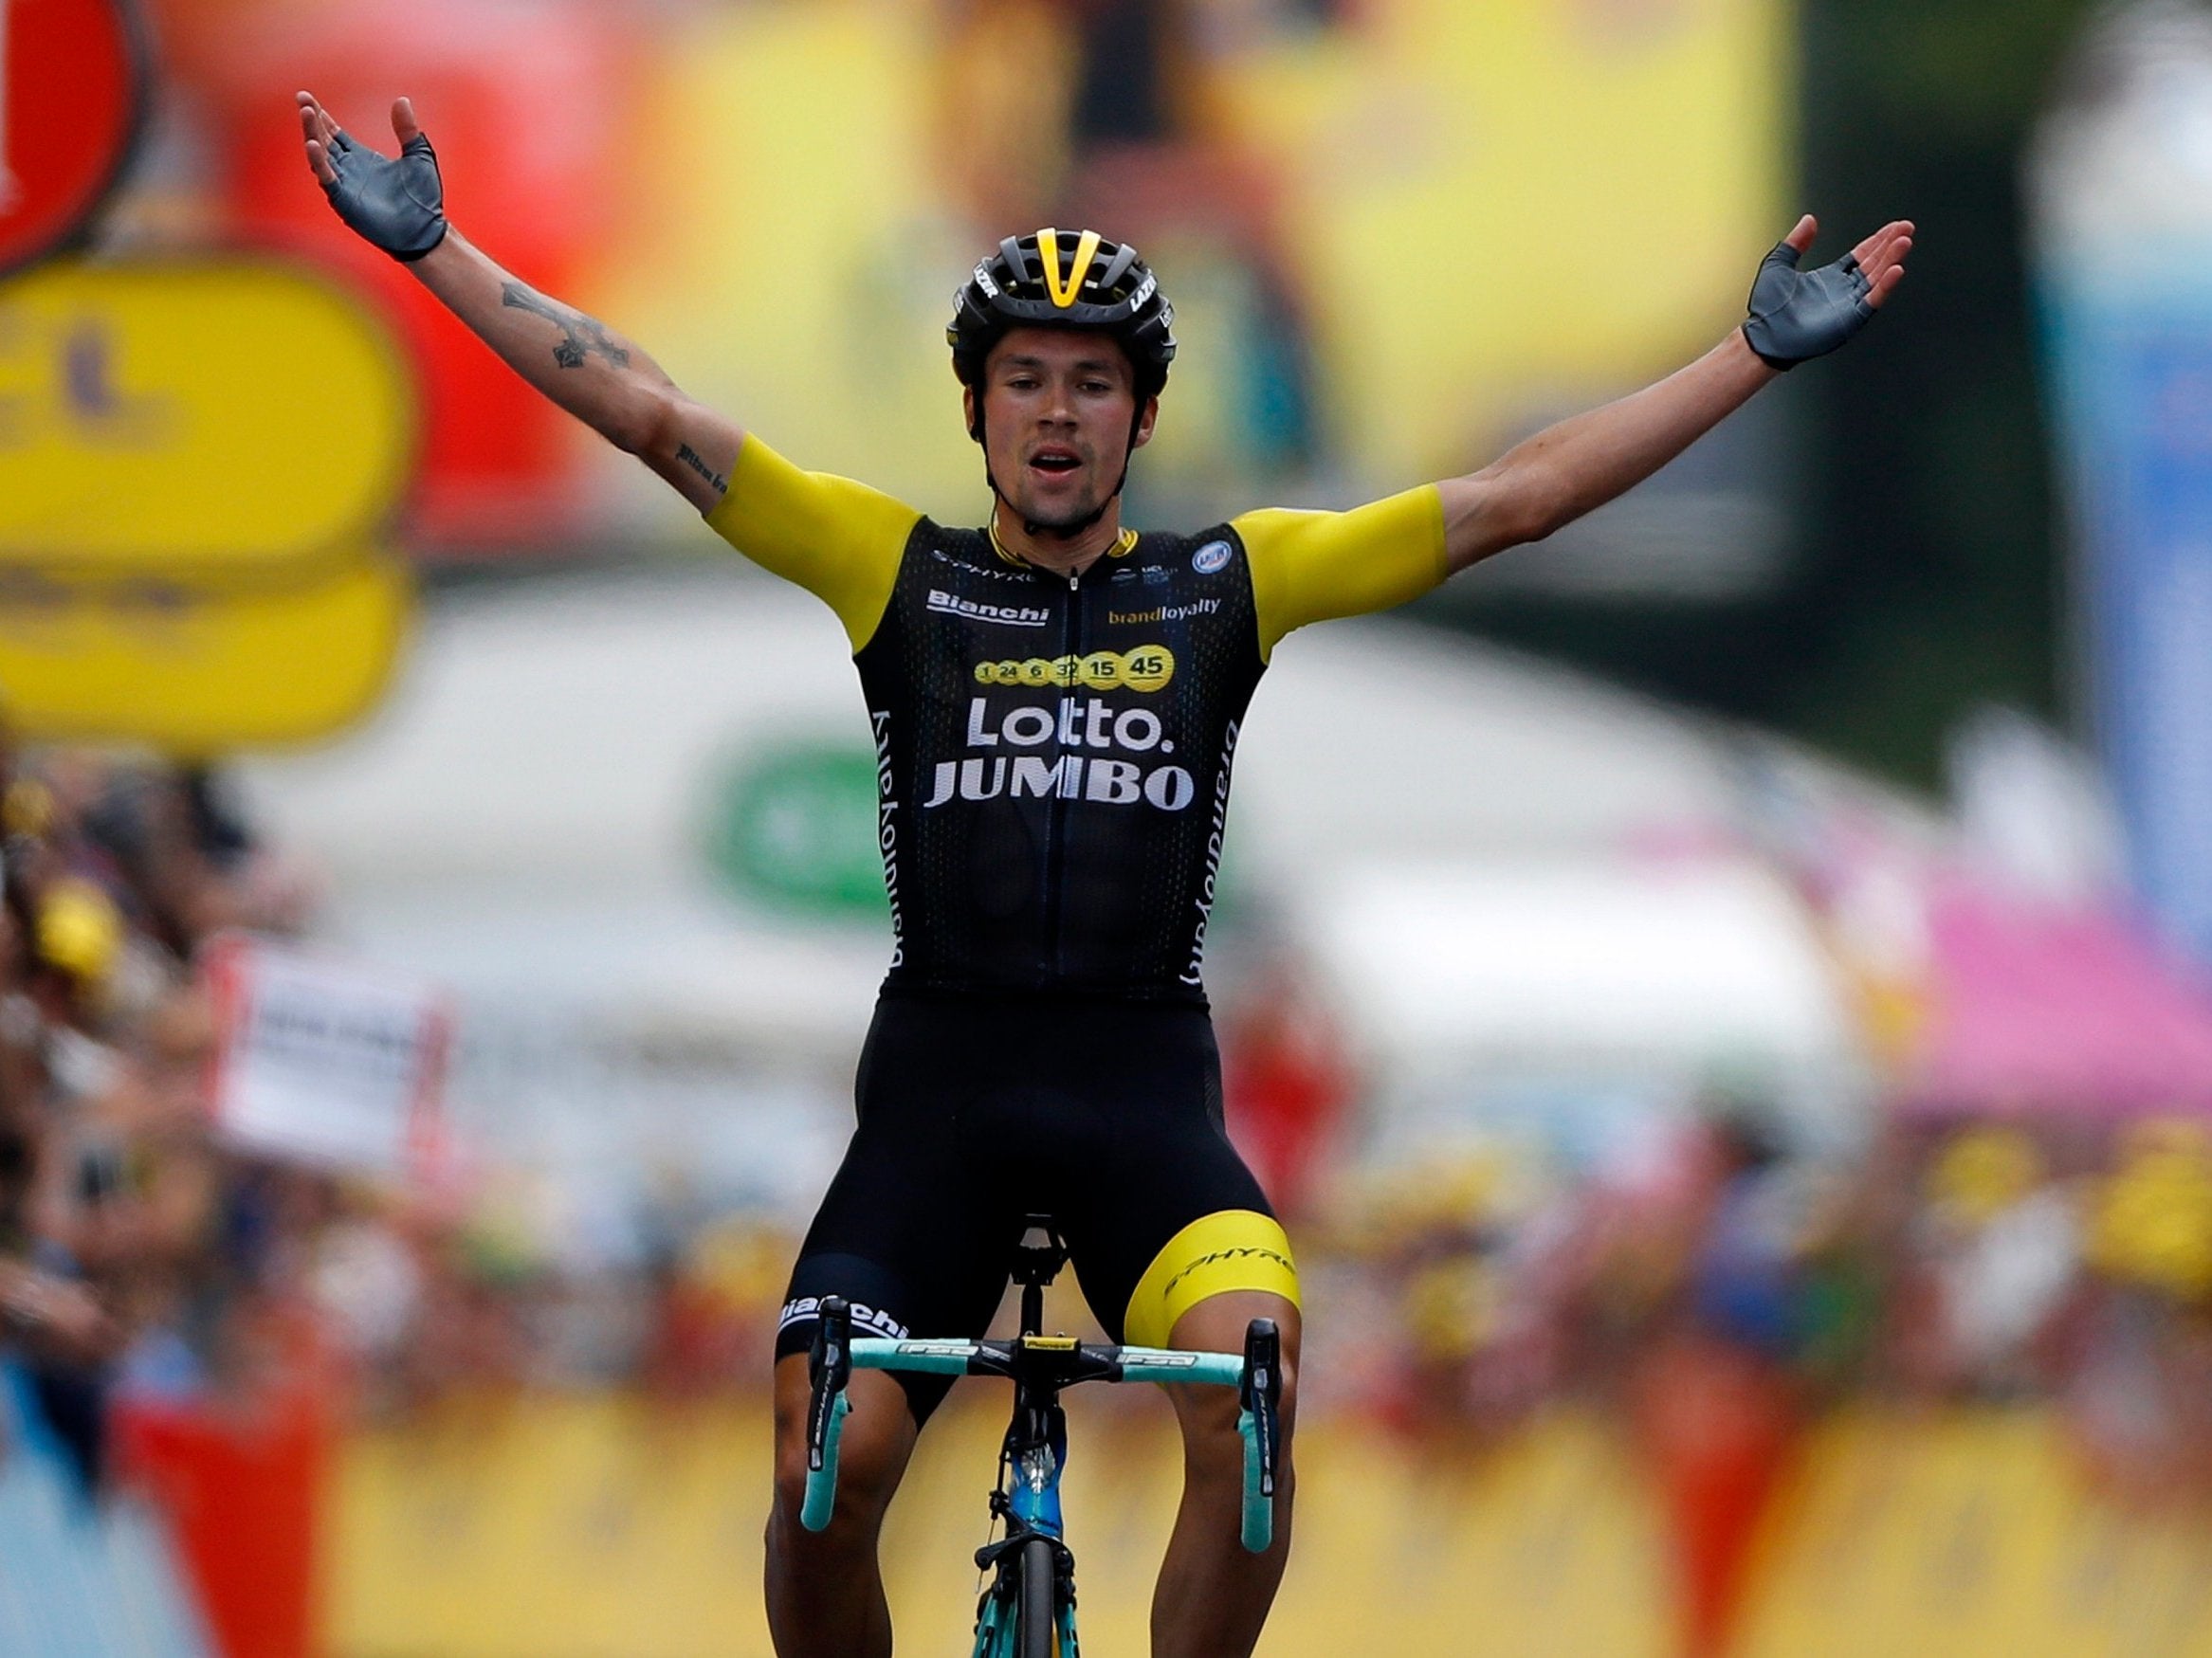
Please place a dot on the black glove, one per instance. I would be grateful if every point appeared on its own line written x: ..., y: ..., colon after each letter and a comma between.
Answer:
x: 399, y: 206
x: 1796, y: 315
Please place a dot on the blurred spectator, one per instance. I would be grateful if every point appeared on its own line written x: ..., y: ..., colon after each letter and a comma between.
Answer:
x: 2004, y: 1245
x: 120, y: 1266
x: 1286, y: 1084
x: 1100, y: 112
x: 2139, y: 1389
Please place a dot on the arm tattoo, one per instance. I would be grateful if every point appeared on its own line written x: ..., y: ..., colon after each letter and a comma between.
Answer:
x: 582, y: 335
x: 690, y: 458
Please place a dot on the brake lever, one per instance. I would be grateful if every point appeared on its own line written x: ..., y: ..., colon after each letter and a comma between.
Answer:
x: 1260, y: 1396
x: 829, y: 1369
x: 1261, y: 1392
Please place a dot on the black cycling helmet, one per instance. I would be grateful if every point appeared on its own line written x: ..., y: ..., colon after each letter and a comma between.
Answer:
x: 1048, y: 281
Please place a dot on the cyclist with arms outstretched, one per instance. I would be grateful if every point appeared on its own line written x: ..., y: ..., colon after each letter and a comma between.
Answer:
x: 1055, y: 700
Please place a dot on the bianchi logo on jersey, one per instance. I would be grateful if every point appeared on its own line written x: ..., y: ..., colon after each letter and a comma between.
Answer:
x: 1211, y: 558
x: 1146, y: 668
x: 1162, y: 613
x: 976, y: 611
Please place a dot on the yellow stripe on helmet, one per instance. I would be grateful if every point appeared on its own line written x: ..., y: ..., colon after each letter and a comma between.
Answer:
x: 1049, y: 252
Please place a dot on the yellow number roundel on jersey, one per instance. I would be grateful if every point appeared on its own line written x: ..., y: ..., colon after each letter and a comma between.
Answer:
x: 1146, y: 668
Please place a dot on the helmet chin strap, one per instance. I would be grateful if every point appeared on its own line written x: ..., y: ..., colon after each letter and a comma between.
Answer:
x: 1067, y: 532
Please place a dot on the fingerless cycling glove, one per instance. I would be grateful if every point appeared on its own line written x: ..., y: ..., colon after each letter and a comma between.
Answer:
x: 397, y: 205
x: 1796, y: 315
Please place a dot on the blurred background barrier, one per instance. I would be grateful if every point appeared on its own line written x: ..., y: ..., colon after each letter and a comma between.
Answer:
x: 553, y: 1527
x: 244, y: 1499
x: 568, y: 1527
x: 1970, y: 1533
x: 78, y: 1581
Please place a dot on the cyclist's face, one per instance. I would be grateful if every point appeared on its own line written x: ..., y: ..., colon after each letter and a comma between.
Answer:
x: 1057, y: 406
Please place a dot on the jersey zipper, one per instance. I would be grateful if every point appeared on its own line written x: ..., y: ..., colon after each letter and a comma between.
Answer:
x: 1057, y: 816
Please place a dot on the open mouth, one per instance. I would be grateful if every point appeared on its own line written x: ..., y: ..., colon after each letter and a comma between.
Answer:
x: 1056, y: 463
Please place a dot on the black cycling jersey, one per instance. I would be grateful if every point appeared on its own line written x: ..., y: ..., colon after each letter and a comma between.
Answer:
x: 1054, y: 752
x: 1053, y: 757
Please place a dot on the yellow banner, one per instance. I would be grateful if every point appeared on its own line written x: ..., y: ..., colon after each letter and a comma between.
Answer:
x: 1974, y: 1534
x: 562, y: 1528
x: 568, y: 1528
x: 226, y: 416
x: 1479, y: 217
x: 1508, y: 212
x: 199, y: 671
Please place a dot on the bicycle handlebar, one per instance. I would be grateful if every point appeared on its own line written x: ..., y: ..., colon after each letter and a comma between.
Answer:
x: 1256, y: 1375
x: 1097, y: 1361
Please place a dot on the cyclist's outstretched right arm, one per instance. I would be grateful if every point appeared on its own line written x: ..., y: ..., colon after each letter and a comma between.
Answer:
x: 601, y: 378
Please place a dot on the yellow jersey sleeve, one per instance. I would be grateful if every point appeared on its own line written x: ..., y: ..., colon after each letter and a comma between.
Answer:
x: 1311, y: 566
x: 840, y: 540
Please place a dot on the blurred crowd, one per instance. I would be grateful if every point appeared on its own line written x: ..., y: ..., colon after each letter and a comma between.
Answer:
x: 132, y: 1251
x: 141, y: 1256
x: 1726, y: 1284
x: 1730, y: 1290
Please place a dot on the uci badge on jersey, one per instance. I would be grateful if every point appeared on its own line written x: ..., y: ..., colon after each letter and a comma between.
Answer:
x: 1212, y: 559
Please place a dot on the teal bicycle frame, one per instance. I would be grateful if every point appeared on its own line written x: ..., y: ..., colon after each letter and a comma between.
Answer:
x: 1033, y: 1579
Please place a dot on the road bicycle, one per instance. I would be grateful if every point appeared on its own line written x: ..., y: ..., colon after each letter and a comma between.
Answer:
x: 1028, y: 1610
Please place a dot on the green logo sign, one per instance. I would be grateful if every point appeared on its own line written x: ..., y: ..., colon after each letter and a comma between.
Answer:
x: 795, y: 828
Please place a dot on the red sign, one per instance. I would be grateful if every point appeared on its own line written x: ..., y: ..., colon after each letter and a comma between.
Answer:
x: 72, y: 85
x: 499, y: 469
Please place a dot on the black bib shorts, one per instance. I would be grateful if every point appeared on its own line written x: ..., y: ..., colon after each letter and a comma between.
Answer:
x: 978, y: 1110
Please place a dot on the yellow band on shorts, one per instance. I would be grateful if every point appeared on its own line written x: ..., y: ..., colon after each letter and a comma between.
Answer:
x: 1232, y: 1248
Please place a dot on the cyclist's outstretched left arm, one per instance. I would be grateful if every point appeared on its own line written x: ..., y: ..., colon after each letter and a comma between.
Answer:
x: 604, y: 380
x: 1308, y: 567
x: 1552, y: 479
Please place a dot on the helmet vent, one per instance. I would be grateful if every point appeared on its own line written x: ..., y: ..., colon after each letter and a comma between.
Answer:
x: 1066, y: 290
